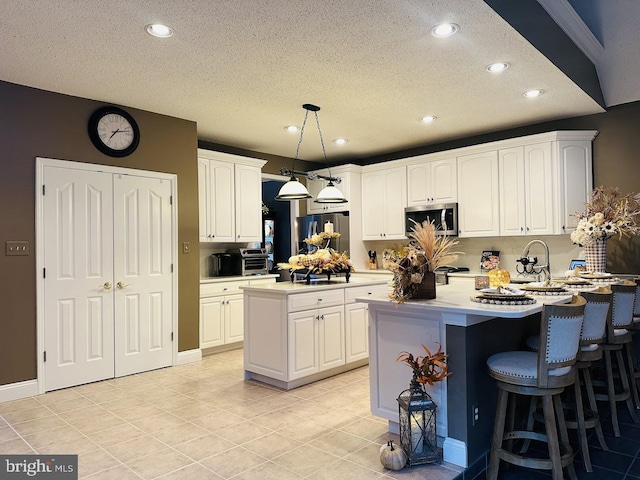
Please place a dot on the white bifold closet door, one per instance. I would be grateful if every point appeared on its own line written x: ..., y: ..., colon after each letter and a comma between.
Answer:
x: 108, y: 283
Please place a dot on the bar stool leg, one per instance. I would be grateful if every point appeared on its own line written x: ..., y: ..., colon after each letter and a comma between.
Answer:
x: 626, y: 387
x: 498, y: 433
x: 588, y: 385
x: 582, y: 431
x: 533, y: 405
x: 632, y: 374
x: 564, y: 436
x: 611, y: 393
x: 552, y: 437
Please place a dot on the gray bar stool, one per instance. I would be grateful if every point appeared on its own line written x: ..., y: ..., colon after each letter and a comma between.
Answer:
x: 619, y: 341
x: 544, y: 374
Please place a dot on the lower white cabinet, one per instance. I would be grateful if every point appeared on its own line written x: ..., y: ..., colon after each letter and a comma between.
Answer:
x: 222, y: 311
x: 295, y: 336
x: 316, y: 341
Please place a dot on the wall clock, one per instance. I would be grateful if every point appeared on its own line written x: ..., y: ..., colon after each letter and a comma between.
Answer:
x: 113, y: 131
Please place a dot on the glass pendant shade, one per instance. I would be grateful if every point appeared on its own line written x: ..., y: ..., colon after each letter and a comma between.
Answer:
x: 293, y: 190
x: 330, y: 194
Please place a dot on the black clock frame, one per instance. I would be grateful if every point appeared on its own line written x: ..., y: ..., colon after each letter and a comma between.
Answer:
x: 97, y: 141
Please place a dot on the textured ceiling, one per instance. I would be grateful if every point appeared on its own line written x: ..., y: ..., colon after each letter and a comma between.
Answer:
x: 242, y: 68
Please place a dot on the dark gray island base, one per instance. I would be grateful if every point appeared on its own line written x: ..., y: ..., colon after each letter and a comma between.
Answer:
x: 469, y: 333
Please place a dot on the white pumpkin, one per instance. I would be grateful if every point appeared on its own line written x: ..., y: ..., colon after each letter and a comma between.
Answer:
x: 392, y: 457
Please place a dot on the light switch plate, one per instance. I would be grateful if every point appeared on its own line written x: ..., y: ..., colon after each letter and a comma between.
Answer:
x: 186, y: 247
x: 16, y: 247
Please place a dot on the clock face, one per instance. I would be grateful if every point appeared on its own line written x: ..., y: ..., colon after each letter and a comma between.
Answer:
x: 113, y: 131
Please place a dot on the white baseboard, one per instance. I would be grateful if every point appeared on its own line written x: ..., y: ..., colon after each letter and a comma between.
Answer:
x: 189, y: 356
x: 18, y: 390
x: 455, y: 451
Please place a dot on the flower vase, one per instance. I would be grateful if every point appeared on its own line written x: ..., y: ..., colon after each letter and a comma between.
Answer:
x: 595, y: 255
x: 427, y: 288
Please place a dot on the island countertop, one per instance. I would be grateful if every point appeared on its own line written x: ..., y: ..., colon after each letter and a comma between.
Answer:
x: 454, y: 303
x: 287, y: 288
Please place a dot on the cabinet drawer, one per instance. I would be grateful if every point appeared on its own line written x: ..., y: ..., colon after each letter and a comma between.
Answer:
x: 222, y: 288
x: 351, y: 293
x: 324, y: 298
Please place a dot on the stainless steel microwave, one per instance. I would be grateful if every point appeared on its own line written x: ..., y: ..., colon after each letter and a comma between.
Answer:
x: 443, y: 215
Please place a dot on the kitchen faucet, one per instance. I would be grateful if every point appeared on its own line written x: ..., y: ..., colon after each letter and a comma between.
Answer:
x: 530, y: 264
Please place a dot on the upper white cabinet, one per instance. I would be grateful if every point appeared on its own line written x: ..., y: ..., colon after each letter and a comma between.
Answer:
x: 349, y: 174
x: 573, y: 162
x: 230, y: 197
x: 384, y: 197
x: 478, y: 195
x: 432, y: 181
x: 526, y: 190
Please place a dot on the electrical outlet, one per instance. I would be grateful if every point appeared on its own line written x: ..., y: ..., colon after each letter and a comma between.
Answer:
x: 475, y: 413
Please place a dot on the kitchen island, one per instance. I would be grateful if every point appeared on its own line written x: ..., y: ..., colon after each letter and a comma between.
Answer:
x: 298, y: 333
x: 469, y: 333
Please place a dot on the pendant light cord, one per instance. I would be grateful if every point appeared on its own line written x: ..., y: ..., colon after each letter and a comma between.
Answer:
x: 304, y: 122
x: 324, y: 152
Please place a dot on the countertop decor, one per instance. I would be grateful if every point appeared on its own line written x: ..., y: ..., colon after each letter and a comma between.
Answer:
x: 411, y: 264
x: 608, y: 213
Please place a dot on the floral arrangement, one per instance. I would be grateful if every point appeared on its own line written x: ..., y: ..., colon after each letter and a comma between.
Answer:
x: 323, y: 260
x: 321, y: 239
x: 607, y: 213
x: 426, y: 252
x: 429, y: 368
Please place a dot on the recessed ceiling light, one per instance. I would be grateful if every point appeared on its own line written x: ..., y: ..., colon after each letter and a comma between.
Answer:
x: 444, y: 30
x: 291, y: 128
x: 497, y: 67
x: 159, y: 30
x: 533, y: 93
x: 340, y: 141
x: 428, y: 118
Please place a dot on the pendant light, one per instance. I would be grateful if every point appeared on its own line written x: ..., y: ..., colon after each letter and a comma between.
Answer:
x: 293, y: 189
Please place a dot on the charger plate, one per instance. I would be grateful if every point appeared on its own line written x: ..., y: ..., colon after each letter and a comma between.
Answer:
x: 509, y: 300
x: 534, y: 288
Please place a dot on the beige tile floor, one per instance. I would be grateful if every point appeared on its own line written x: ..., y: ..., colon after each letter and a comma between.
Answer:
x: 203, y: 421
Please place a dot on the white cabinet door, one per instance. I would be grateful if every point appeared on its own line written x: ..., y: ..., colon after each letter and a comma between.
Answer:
x: 356, y: 324
x: 248, y: 203
x: 222, y: 203
x: 372, y: 205
x: 539, y: 180
x: 395, y: 199
x: 576, y: 180
x: 512, y: 192
x: 444, y: 176
x: 212, y: 321
x: 303, y: 344
x: 478, y: 193
x: 233, y: 319
x: 204, y: 201
x: 331, y: 338
x: 431, y: 182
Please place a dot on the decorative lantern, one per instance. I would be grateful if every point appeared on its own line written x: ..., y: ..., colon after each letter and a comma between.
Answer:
x: 417, y: 415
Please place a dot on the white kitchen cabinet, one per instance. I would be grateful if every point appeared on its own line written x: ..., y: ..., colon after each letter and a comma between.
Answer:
x: 526, y: 190
x: 230, y: 197
x: 222, y: 311
x: 297, y: 334
x: 573, y: 159
x: 316, y: 341
x: 384, y: 197
x: 478, y: 195
x: 432, y: 181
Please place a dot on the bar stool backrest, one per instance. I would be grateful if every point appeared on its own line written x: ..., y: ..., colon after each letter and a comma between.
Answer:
x: 596, y: 312
x: 624, y: 295
x: 560, y: 329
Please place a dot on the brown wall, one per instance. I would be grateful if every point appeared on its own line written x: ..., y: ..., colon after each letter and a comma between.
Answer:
x: 36, y: 123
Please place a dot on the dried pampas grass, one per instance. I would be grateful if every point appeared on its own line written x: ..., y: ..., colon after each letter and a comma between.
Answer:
x: 438, y: 250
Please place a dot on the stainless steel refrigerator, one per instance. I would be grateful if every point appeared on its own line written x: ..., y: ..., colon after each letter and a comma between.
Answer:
x: 307, y: 226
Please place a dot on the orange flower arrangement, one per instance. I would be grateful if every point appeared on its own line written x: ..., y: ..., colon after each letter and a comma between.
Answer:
x: 429, y: 368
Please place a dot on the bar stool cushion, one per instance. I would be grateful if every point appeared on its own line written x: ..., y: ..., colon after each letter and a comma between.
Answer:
x: 522, y: 366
